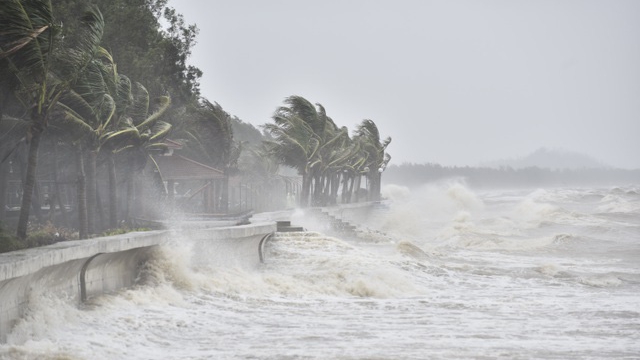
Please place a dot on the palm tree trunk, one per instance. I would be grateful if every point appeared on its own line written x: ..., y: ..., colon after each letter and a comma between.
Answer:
x: 4, y: 165
x: 345, y: 188
x: 326, y: 193
x: 113, y: 192
x: 317, y: 190
x: 23, y: 161
x: 36, y: 205
x: 4, y: 178
x: 56, y: 183
x: 129, y: 199
x: 358, y: 181
x: 224, y: 198
x: 29, y: 184
x: 99, y: 211
x: 376, y: 186
x: 335, y: 184
x: 82, y: 195
x: 304, y: 192
x: 130, y: 192
x: 91, y: 192
x: 352, y: 184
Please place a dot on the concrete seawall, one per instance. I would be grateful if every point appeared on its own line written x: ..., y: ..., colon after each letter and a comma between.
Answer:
x: 84, y: 268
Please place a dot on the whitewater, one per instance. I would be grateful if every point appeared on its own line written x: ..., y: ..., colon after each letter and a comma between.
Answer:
x: 439, y: 272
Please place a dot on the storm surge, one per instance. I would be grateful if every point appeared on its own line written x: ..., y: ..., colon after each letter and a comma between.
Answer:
x: 441, y: 272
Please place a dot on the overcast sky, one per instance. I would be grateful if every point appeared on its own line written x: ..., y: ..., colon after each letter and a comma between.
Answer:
x: 453, y: 82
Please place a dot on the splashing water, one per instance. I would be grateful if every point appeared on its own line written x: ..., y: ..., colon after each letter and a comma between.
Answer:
x: 444, y: 273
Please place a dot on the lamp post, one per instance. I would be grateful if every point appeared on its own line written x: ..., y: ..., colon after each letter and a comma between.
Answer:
x: 345, y: 185
x: 366, y: 179
x: 378, y: 185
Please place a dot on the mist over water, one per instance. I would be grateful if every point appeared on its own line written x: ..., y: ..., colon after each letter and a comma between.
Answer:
x: 444, y: 272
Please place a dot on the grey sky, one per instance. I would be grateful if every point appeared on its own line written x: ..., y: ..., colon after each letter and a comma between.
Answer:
x: 453, y: 82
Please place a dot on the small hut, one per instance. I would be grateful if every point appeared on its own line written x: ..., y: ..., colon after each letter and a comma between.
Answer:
x: 191, y: 186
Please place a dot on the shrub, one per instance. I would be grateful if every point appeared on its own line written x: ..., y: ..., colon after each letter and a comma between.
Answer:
x: 9, y: 242
x: 47, y: 234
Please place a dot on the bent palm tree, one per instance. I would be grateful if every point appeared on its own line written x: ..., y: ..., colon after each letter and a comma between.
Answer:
x: 43, y: 68
x: 294, y: 144
x: 210, y: 134
x: 140, y: 131
x: 94, y: 108
x: 377, y: 159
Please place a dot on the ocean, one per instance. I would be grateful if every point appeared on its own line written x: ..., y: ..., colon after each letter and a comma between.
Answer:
x: 441, y: 272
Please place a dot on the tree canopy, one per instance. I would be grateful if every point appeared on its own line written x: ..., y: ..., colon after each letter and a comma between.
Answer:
x: 102, y: 84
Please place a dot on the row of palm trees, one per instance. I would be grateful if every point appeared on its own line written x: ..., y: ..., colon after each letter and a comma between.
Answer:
x: 328, y: 159
x: 67, y: 89
x: 38, y: 69
x: 71, y: 90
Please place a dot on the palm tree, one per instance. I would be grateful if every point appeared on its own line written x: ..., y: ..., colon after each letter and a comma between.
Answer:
x: 210, y: 135
x: 44, y: 68
x: 94, y: 108
x: 112, y: 116
x: 140, y: 131
x: 262, y: 170
x: 12, y: 134
x: 376, y: 157
x: 308, y: 140
x: 294, y: 144
x: 88, y: 110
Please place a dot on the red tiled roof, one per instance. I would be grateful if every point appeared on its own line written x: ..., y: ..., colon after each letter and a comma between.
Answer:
x: 178, y: 167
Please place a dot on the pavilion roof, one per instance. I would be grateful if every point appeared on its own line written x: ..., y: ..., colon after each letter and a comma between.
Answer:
x: 177, y: 167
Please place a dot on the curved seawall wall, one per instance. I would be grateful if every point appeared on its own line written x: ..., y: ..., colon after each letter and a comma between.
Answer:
x: 85, y: 268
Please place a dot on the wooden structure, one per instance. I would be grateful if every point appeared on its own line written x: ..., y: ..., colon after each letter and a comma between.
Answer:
x: 191, y: 186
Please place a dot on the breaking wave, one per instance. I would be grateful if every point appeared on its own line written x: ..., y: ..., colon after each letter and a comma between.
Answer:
x: 444, y: 264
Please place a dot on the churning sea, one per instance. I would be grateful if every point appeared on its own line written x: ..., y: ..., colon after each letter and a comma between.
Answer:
x: 445, y: 272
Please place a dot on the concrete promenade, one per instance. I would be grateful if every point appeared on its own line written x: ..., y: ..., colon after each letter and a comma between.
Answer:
x: 84, y: 268
x: 77, y: 270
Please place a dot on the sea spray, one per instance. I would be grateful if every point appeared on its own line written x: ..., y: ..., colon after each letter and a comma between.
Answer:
x: 418, y: 213
x: 516, y: 274
x: 317, y: 264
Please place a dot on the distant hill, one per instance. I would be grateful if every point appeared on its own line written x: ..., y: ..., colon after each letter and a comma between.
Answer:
x: 550, y: 159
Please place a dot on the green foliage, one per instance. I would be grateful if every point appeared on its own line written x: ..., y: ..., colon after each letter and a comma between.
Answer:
x: 305, y: 138
x: 143, y: 50
x: 47, y: 234
x: 9, y: 242
x: 39, y: 235
x: 209, y: 136
x: 42, y: 66
x: 368, y: 133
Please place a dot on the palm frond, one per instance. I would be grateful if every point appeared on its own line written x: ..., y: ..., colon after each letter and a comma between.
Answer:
x: 72, y: 102
x: 140, y: 103
x: 159, y: 130
x: 88, y: 36
x: 164, y: 102
x: 106, y: 110
x: 26, y: 30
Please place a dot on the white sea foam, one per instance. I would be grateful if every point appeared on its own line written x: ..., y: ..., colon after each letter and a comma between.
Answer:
x: 444, y: 273
x: 416, y: 214
x: 601, y: 280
